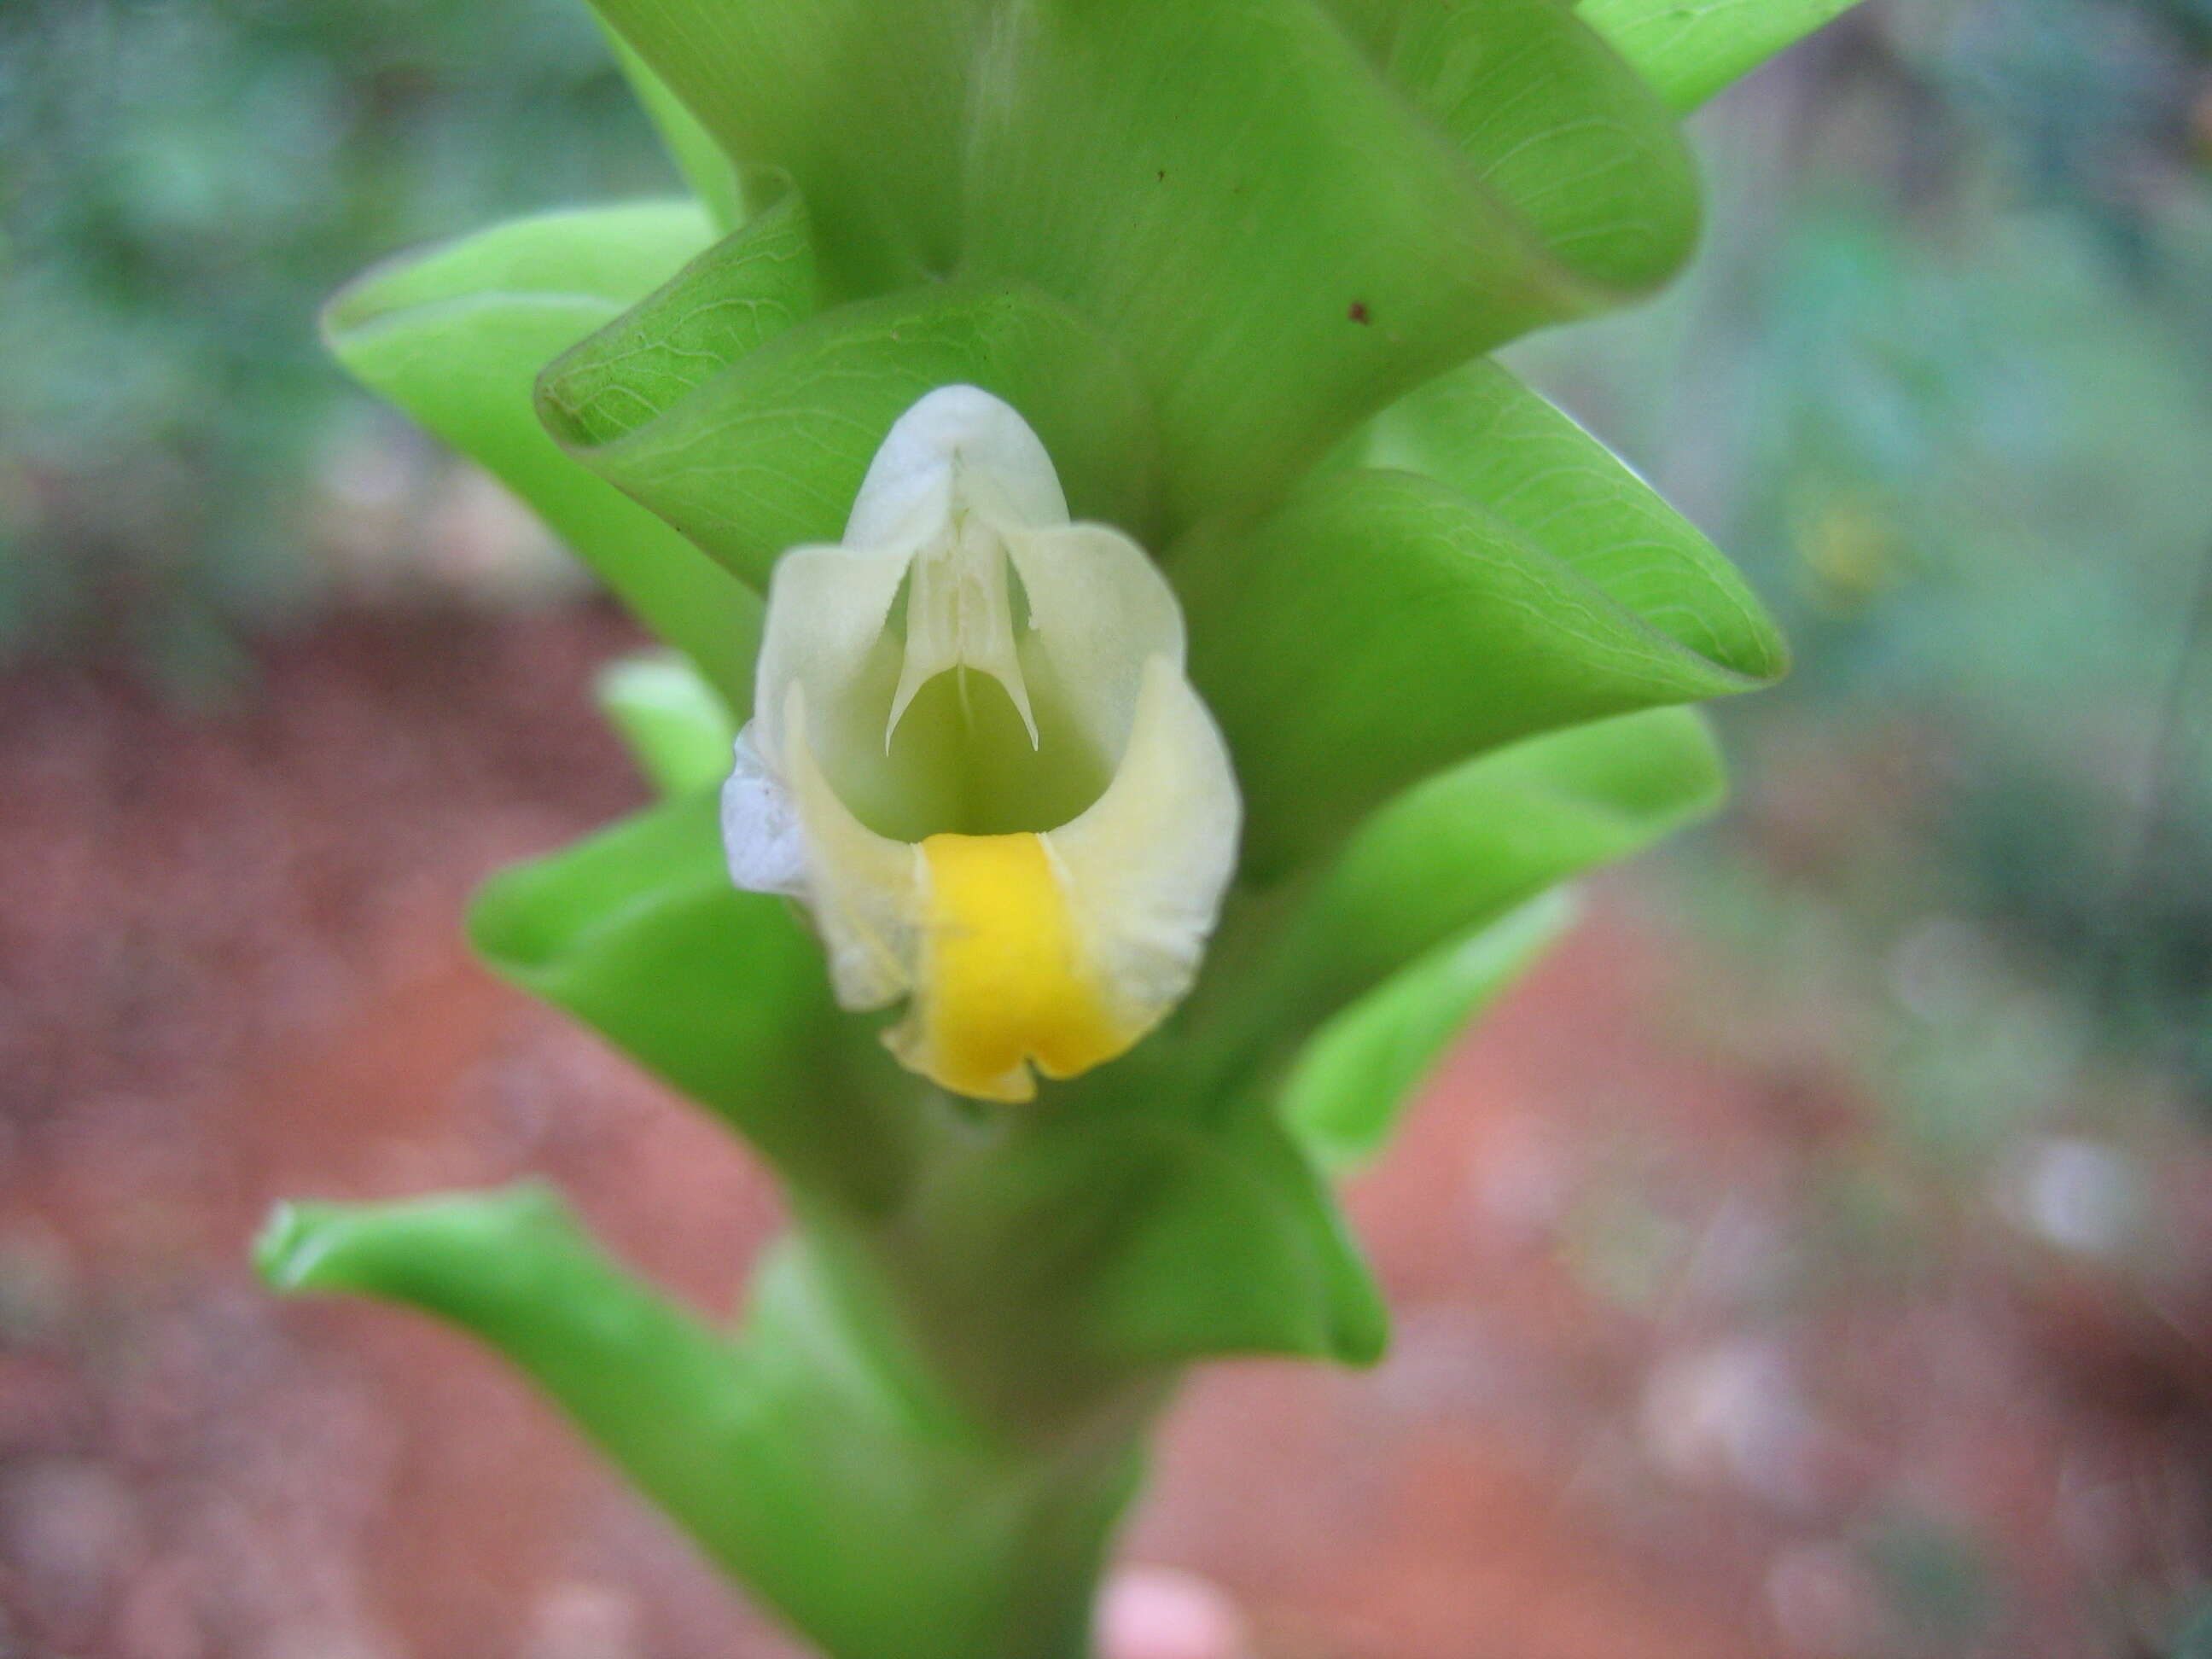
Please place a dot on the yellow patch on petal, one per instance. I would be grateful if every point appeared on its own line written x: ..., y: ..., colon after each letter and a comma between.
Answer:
x: 1002, y: 978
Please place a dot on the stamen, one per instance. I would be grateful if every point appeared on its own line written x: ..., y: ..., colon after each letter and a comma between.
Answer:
x: 959, y: 614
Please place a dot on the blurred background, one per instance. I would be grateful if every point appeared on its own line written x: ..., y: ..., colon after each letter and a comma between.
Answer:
x: 1814, y: 1259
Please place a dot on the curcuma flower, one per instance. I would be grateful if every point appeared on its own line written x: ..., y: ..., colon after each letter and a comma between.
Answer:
x: 976, y: 759
x: 1241, y: 266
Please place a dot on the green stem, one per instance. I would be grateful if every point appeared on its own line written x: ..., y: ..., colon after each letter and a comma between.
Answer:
x: 814, y: 1456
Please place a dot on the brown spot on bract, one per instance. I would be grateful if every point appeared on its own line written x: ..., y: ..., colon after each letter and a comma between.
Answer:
x: 1358, y: 312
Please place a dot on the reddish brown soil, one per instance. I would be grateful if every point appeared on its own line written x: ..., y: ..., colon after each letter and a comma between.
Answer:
x: 1660, y: 1389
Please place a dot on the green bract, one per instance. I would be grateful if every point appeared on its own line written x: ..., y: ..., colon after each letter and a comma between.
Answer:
x: 1236, y: 266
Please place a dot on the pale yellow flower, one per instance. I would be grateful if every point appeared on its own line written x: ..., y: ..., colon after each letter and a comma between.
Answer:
x: 975, y: 758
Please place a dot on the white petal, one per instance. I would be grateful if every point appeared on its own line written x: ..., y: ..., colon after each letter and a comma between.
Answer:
x: 826, y: 610
x: 958, y: 439
x: 761, y: 835
x: 1146, y: 866
x: 864, y: 889
x: 1099, y: 610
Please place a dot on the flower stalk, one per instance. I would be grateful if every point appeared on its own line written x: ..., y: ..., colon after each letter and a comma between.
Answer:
x: 1171, y: 674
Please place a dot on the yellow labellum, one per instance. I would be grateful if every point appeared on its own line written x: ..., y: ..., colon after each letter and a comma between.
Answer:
x: 1007, y: 977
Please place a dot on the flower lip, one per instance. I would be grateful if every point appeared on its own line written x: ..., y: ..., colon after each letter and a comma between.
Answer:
x: 1021, y: 822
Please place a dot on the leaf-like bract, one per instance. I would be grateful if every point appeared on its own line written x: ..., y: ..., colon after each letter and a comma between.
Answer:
x: 456, y: 336
x: 1690, y: 49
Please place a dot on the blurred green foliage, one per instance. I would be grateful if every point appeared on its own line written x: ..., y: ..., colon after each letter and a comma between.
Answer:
x: 185, y: 181
x: 1939, y: 380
